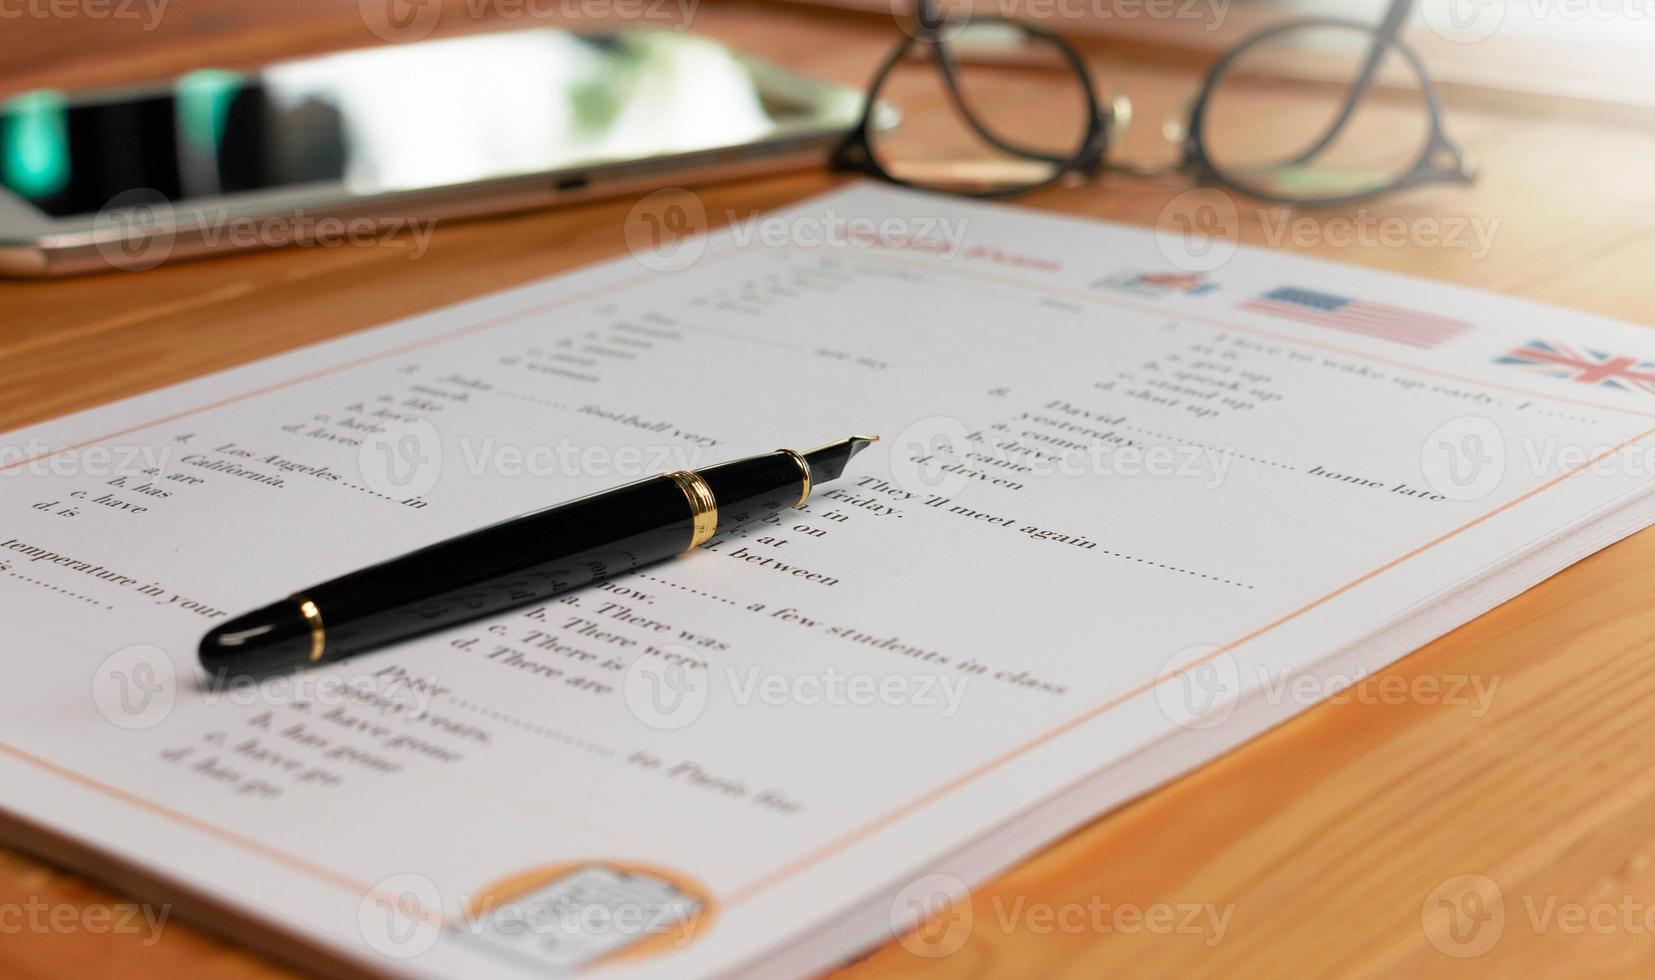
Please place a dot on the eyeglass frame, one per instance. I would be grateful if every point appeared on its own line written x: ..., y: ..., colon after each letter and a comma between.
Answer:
x: 1440, y: 159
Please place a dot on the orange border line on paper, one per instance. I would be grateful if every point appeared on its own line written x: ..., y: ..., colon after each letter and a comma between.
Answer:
x: 808, y: 860
x: 310, y: 868
x: 855, y: 836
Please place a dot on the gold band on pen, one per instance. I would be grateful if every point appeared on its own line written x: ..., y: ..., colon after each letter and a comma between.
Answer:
x: 318, y: 635
x: 804, y: 471
x: 703, y: 506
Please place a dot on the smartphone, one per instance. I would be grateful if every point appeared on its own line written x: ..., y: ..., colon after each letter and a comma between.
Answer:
x: 221, y: 160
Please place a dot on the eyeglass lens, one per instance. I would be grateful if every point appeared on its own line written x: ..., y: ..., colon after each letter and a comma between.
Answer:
x: 988, y: 106
x: 1289, y: 116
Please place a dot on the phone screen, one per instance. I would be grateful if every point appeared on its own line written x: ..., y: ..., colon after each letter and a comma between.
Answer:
x: 399, y: 118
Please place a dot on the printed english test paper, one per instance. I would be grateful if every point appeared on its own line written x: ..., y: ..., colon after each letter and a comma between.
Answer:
x: 1119, y: 505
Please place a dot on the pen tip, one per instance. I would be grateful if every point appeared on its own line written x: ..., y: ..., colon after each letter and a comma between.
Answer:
x: 829, y: 461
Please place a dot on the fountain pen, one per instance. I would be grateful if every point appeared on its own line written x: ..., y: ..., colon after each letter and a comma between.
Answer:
x: 523, y: 560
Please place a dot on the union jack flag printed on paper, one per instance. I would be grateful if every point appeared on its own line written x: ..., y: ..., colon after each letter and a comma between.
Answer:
x: 1393, y: 323
x: 1582, y: 366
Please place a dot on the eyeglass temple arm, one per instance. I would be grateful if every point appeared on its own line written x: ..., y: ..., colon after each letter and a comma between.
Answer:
x: 1385, y: 35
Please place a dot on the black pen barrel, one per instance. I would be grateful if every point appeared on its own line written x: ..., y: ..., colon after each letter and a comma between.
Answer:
x: 750, y: 489
x: 527, y: 559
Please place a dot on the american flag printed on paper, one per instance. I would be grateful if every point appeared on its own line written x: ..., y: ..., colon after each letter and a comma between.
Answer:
x: 1393, y: 323
x: 1582, y: 366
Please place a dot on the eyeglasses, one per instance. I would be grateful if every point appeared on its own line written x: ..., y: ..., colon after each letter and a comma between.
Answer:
x: 1313, y: 112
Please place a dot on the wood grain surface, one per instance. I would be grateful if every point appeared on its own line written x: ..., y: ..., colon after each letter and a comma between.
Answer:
x: 1337, y: 844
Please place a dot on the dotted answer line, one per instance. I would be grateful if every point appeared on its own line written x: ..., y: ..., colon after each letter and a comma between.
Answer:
x: 530, y: 726
x: 48, y: 585
x: 1216, y: 449
x: 547, y: 402
x: 371, y: 493
x: 705, y: 595
x: 1530, y: 407
x: 1175, y: 568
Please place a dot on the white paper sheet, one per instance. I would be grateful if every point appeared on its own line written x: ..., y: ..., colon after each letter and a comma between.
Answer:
x: 1115, y: 502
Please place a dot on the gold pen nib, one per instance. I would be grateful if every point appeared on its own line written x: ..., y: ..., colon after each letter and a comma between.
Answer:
x: 828, y: 462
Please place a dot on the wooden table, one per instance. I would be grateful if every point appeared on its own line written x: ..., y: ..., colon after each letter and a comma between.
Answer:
x: 1327, y: 839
